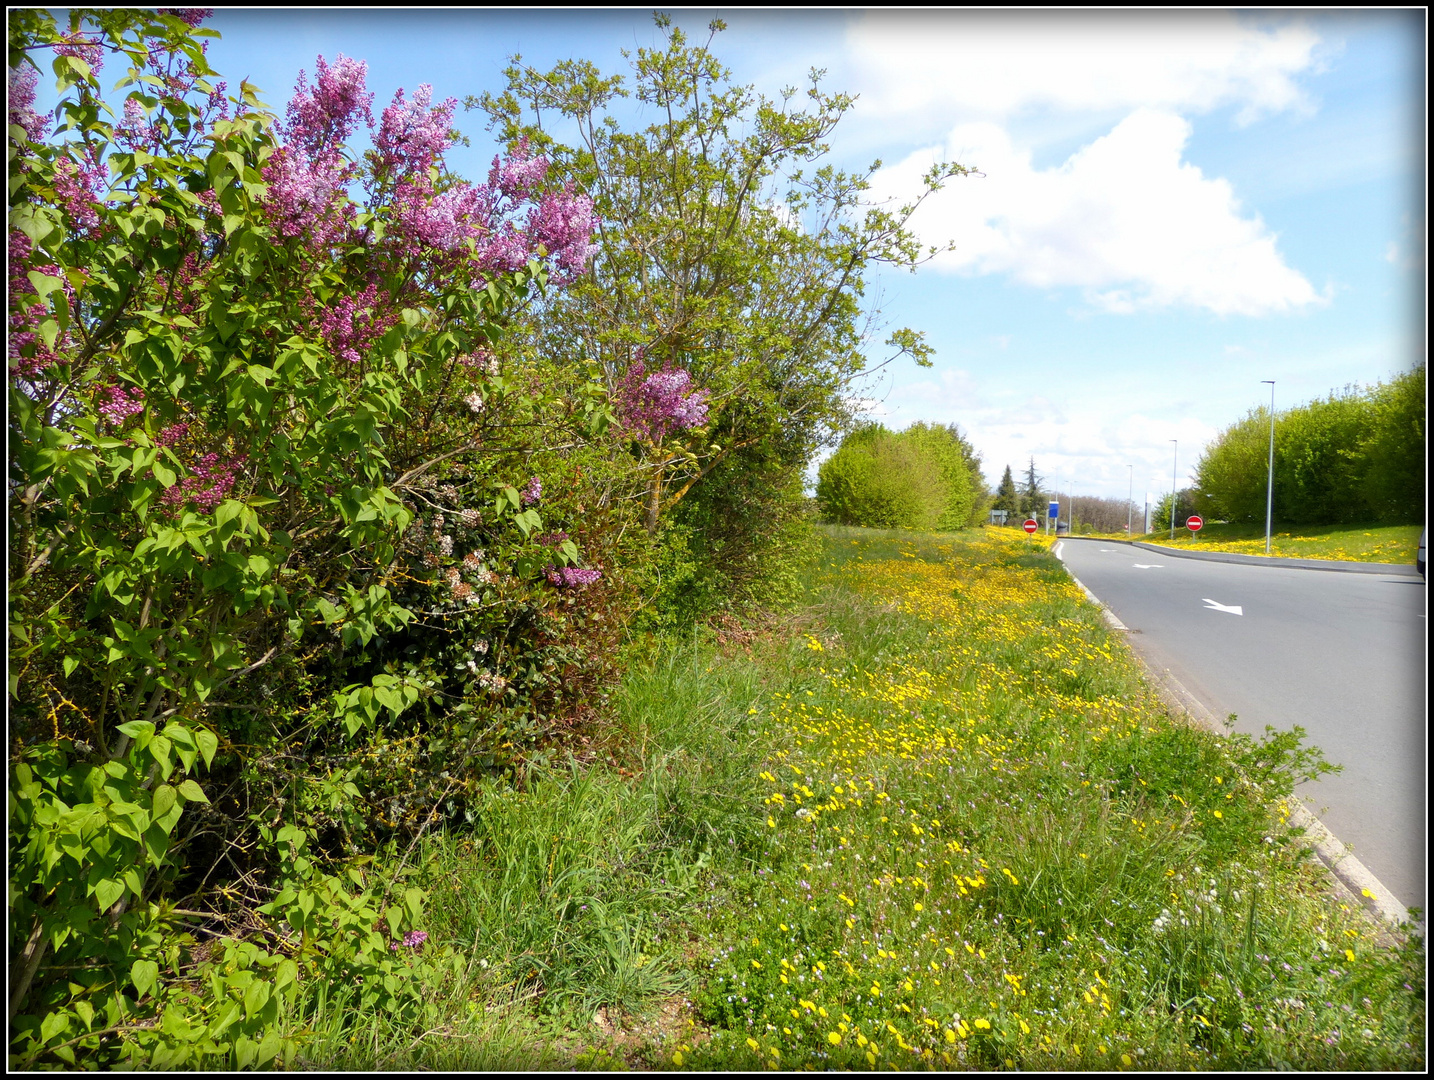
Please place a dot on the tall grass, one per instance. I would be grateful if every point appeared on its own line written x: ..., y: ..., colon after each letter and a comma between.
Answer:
x: 936, y: 818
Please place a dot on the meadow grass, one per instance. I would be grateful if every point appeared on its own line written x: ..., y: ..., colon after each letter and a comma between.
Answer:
x: 1351, y: 543
x: 936, y: 818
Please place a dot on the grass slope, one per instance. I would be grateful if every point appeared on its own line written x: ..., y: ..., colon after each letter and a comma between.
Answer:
x: 1353, y: 543
x: 935, y: 819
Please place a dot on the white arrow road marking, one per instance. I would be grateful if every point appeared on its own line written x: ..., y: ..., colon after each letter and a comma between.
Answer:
x: 1233, y: 610
x: 1148, y: 566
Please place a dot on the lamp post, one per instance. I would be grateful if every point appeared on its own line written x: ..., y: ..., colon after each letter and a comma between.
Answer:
x: 1175, y: 458
x: 1130, y: 502
x: 1270, y: 481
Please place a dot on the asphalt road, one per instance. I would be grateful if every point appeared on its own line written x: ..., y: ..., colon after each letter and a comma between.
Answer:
x: 1340, y: 654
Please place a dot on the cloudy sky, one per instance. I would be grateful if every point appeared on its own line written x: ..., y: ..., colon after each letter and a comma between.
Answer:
x: 1170, y: 207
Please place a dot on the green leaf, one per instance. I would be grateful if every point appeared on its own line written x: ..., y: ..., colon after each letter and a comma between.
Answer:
x: 143, y: 973
x: 256, y: 997
x: 107, y: 892
x: 207, y: 742
x: 192, y: 791
x: 165, y: 798
x: 164, y: 474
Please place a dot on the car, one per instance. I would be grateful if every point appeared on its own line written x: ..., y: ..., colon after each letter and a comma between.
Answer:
x: 1423, y: 546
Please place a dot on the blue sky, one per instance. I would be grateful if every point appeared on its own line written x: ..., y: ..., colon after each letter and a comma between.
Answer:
x: 1174, y: 206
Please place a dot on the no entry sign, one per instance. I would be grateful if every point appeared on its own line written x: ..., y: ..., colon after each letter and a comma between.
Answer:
x: 1194, y: 523
x: 1030, y: 525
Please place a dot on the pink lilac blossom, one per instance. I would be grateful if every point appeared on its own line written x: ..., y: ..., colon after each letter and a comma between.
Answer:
x: 86, y: 48
x: 650, y: 406
x: 519, y: 175
x: 20, y: 100
x: 563, y: 223
x: 135, y: 130
x: 411, y: 940
x: 305, y: 196
x: 191, y: 16
x: 532, y: 493
x: 208, y: 485
x: 172, y: 434
x: 25, y: 313
x: 569, y: 577
x: 351, y: 324
x: 318, y: 120
x: 76, y: 186
x: 308, y: 176
x: 411, y: 135
x: 120, y: 403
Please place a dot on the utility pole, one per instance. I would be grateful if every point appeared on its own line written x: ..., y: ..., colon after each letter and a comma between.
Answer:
x: 1270, y: 481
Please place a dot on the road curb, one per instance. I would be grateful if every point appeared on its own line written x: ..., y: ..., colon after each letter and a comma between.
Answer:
x: 1336, y: 565
x: 1350, y: 875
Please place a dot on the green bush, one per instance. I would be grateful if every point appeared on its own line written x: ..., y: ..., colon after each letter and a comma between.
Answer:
x: 1355, y: 456
x: 920, y: 478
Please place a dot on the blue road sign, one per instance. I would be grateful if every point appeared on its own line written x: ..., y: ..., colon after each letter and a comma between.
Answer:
x: 1054, y: 511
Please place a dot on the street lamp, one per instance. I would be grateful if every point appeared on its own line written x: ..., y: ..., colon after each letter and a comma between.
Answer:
x: 1130, y: 501
x: 1173, y: 496
x: 1270, y: 482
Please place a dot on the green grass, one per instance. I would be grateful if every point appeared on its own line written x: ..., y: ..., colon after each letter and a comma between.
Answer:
x: 1354, y: 543
x: 933, y: 818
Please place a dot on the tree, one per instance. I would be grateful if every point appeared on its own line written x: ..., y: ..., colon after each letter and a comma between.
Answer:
x: 880, y: 479
x: 1032, y: 500
x: 947, y: 449
x: 1007, y: 498
x: 728, y: 255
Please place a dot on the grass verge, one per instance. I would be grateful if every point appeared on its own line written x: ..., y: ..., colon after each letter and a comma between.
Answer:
x: 1350, y: 543
x: 936, y: 819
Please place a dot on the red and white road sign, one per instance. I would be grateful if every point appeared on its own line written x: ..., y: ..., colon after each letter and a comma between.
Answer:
x: 1030, y: 525
x: 1194, y: 523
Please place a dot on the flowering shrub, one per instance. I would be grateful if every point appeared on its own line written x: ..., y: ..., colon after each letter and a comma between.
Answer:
x: 242, y: 364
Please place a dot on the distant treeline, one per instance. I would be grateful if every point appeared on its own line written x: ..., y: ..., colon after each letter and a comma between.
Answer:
x: 926, y: 477
x: 1356, y: 456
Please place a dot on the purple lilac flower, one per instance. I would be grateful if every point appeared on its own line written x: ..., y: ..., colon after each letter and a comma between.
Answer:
x: 411, y: 940
x: 413, y: 135
x: 135, y: 130
x: 86, y: 48
x: 120, y: 403
x: 532, y: 493
x: 21, y: 97
x: 563, y: 223
x: 172, y: 434
x: 208, y: 485
x: 652, y: 405
x: 318, y: 120
x: 518, y: 176
x: 76, y: 185
x: 351, y: 324
x: 569, y: 577
x: 191, y: 16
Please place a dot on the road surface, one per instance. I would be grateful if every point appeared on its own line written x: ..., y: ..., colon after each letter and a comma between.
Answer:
x: 1340, y: 654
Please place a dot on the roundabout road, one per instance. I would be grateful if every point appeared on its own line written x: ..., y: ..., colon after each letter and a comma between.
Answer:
x: 1340, y: 654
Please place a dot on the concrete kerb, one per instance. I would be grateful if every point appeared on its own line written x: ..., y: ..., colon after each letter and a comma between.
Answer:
x: 1336, y: 565
x: 1350, y: 875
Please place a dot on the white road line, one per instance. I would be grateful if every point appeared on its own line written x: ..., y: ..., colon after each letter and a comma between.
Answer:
x: 1148, y: 566
x: 1214, y: 606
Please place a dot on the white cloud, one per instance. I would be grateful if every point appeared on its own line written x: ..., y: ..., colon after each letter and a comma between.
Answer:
x: 1124, y: 218
x: 997, y: 64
